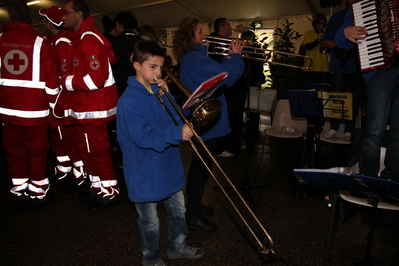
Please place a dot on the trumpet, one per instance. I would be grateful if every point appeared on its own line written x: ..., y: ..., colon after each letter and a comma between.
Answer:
x: 266, y: 249
x: 221, y: 46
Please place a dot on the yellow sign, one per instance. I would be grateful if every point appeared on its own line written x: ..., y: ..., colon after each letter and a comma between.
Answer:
x: 337, y: 104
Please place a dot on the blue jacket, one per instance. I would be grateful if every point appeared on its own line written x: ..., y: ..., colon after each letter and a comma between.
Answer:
x: 195, y: 68
x: 148, y: 139
x: 342, y: 42
x: 351, y: 61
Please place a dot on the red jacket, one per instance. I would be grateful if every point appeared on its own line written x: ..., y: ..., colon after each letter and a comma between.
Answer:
x: 29, y: 81
x: 62, y: 43
x: 91, y: 86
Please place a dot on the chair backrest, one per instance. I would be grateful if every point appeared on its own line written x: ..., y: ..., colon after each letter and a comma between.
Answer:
x: 282, y: 117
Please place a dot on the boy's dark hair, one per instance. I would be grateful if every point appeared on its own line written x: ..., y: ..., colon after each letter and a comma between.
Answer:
x: 218, y: 23
x: 143, y: 49
x: 127, y: 19
x: 19, y: 12
x: 81, y: 5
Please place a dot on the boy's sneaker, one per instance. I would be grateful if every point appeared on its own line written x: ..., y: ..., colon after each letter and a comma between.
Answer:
x: 189, y: 253
x: 330, y: 134
x: 225, y: 154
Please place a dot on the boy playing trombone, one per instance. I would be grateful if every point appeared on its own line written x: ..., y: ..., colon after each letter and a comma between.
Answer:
x: 153, y: 167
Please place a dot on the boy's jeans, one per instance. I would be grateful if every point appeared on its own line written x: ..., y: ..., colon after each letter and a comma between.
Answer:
x: 149, y: 227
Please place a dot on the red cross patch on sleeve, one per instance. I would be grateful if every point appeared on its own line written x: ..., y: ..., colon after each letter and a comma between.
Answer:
x: 94, y: 65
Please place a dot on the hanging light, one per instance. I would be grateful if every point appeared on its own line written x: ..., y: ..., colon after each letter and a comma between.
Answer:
x: 33, y: 2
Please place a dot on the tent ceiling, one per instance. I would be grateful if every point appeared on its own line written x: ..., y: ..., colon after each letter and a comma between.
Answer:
x: 168, y: 13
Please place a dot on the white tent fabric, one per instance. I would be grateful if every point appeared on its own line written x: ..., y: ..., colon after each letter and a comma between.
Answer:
x: 166, y: 14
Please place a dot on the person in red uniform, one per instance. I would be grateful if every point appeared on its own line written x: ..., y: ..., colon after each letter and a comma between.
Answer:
x: 63, y: 137
x: 92, y: 102
x: 28, y: 86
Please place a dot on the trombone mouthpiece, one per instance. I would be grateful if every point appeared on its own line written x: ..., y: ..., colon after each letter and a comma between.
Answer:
x: 155, y: 79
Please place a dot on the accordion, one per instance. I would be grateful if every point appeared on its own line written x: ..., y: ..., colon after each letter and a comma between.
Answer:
x: 381, y: 19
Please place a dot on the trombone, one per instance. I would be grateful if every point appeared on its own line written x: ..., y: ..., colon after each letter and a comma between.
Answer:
x: 221, y: 46
x: 204, y: 111
x: 265, y: 249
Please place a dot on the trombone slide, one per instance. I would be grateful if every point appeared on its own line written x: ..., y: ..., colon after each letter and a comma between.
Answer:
x: 265, y: 250
x: 251, y: 53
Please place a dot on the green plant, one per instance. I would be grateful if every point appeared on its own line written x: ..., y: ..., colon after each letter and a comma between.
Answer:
x: 285, y: 78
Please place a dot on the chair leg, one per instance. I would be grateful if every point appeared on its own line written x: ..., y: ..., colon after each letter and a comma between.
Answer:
x: 271, y: 150
x: 315, y: 149
x: 370, y: 237
x: 303, y: 152
x: 333, y: 220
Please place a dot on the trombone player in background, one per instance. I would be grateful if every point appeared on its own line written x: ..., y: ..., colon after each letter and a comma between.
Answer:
x: 196, y: 67
x: 221, y: 29
x: 227, y: 145
x: 236, y: 94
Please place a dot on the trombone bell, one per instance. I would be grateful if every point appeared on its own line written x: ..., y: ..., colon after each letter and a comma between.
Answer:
x: 206, y: 112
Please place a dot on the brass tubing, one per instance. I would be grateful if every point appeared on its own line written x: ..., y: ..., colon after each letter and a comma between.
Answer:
x: 262, y: 55
x: 186, y: 91
x: 205, y: 111
x: 265, y: 250
x: 251, y: 53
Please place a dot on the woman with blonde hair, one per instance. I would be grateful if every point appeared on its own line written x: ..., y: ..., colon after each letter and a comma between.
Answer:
x: 195, y: 68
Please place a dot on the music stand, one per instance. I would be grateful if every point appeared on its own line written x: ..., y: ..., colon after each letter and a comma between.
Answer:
x: 306, y: 103
x: 310, y: 103
x: 341, y: 179
x: 246, y: 184
x: 319, y: 105
x: 337, y: 104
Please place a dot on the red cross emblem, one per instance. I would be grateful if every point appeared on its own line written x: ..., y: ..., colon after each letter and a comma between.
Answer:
x: 16, y: 62
x: 94, y: 65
